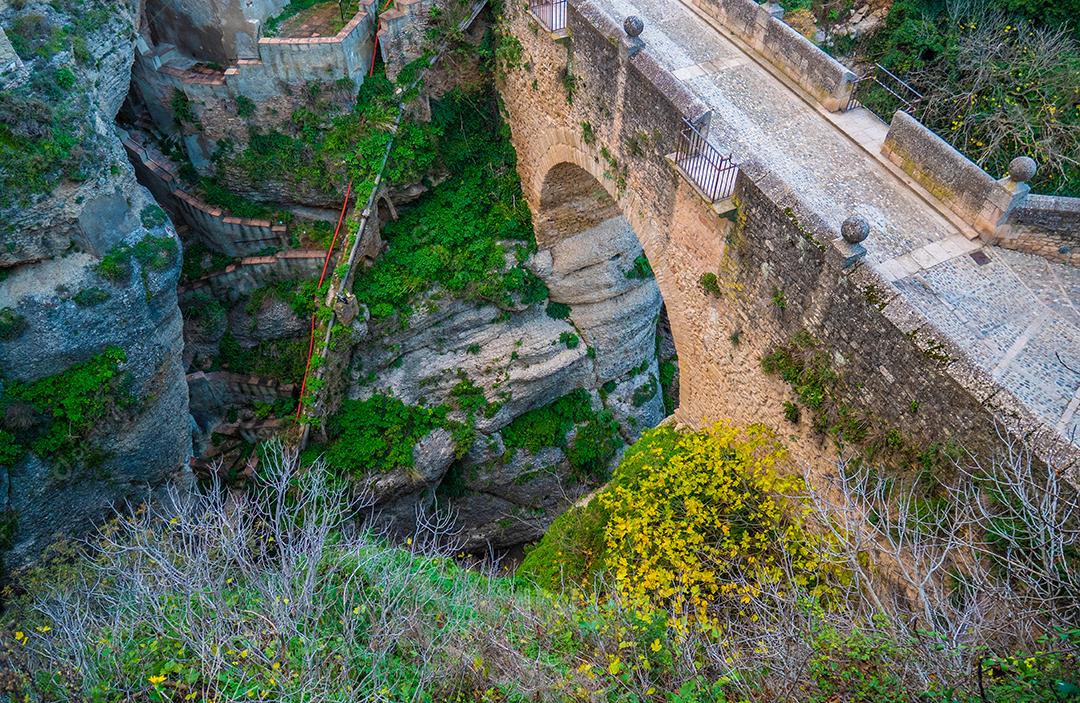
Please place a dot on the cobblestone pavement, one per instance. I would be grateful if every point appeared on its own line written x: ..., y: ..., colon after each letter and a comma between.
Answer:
x: 1017, y: 315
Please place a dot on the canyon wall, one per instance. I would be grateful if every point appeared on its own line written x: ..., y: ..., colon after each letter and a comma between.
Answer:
x: 88, y: 283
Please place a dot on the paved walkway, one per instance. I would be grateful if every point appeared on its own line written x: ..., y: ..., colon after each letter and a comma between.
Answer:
x: 1016, y: 315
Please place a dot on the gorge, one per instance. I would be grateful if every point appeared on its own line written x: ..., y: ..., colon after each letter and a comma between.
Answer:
x: 464, y: 268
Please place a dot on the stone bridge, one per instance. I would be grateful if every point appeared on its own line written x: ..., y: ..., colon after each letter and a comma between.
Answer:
x: 938, y: 336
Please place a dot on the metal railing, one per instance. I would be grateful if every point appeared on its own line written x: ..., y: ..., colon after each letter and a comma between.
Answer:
x: 711, y: 171
x: 550, y: 13
x: 902, y: 94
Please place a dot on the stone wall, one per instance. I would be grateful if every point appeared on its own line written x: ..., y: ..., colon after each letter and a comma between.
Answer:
x: 12, y: 70
x: 232, y: 236
x: 1044, y: 225
x: 216, y: 30
x: 274, y: 80
x: 253, y: 272
x: 781, y: 271
x: 937, y: 166
x: 829, y: 81
x: 1002, y: 211
x: 212, y: 393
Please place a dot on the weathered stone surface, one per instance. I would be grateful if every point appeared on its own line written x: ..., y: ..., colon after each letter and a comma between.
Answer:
x: 521, y: 356
x: 51, y: 251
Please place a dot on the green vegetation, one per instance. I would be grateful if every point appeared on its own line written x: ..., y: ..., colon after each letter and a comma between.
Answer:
x: 279, y: 359
x: 999, y: 80
x: 12, y: 324
x: 641, y: 268
x: 54, y: 416
x: 645, y: 392
x: 219, y: 196
x: 89, y: 297
x: 199, y: 261
x: 548, y: 426
x: 153, y: 216
x: 46, y: 126
x: 455, y: 236
x: 569, y: 340
x: 299, y: 295
x: 323, y: 144
x: 728, y: 593
x: 152, y: 252
x: 595, y: 443
x: 668, y: 369
x: 378, y: 434
x: 245, y: 106
x: 558, y: 311
x: 710, y: 283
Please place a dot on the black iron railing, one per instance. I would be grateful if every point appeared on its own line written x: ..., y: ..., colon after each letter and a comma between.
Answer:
x: 703, y: 164
x: 881, y: 91
x: 551, y: 13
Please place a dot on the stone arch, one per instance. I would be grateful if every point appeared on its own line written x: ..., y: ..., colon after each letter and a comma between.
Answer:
x: 590, y: 236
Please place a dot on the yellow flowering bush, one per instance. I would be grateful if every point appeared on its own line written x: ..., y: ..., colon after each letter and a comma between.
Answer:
x: 703, y: 518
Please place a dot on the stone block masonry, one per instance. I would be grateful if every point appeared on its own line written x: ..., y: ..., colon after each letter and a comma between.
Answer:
x: 585, y: 115
x: 1044, y: 225
x: 253, y: 272
x: 274, y: 80
x: 232, y: 236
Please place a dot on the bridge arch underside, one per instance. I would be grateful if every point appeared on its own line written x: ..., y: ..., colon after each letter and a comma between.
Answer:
x: 592, y: 261
x: 591, y: 235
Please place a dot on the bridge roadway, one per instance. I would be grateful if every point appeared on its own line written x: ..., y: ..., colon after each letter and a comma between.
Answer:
x: 1016, y: 315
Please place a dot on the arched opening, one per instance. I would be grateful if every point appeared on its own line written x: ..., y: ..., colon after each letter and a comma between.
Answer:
x: 593, y: 262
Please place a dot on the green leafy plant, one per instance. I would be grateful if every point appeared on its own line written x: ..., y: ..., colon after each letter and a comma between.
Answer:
x: 378, y: 434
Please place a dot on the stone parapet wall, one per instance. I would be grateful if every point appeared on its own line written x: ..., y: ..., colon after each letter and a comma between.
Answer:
x: 798, y: 58
x: 938, y: 167
x: 12, y: 71
x: 1044, y: 225
x: 1001, y: 211
x: 253, y: 272
x: 402, y: 32
x: 232, y: 236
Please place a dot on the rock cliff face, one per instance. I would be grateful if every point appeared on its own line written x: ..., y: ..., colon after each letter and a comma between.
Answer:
x: 504, y: 496
x: 90, y: 266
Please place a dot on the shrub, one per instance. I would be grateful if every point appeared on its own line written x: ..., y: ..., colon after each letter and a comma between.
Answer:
x: 704, y: 519
x: 569, y: 339
x: 668, y: 369
x: 245, y: 106
x: 378, y: 434
x: 710, y: 284
x: 73, y: 402
x: 549, y: 425
x: 641, y: 268
x: 89, y: 297
x: 645, y: 392
x: 454, y: 236
x: 558, y: 311
x: 153, y: 252
x: 995, y: 85
x: 593, y: 447
x: 153, y: 216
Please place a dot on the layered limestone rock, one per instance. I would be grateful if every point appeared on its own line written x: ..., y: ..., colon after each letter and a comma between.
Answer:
x: 69, y: 308
x: 523, y: 361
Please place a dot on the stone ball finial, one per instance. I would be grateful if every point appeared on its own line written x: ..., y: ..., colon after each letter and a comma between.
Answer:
x: 634, y: 26
x: 1022, y: 169
x: 855, y: 229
